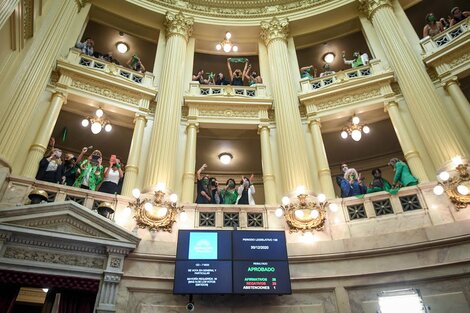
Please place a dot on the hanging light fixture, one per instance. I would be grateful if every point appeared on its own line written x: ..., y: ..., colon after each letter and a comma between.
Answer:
x: 97, y: 122
x: 227, y: 45
x: 355, y: 129
x: 225, y: 158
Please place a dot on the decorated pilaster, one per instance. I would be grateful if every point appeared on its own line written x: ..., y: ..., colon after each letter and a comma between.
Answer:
x: 267, y: 163
x: 6, y: 9
x: 409, y: 150
x: 189, y: 162
x: 38, y: 148
x: 324, y: 172
x: 424, y: 103
x: 291, y: 141
x: 453, y: 88
x: 132, y: 167
x: 161, y: 166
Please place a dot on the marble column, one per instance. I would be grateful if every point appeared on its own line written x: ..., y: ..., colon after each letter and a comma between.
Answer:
x: 270, y: 195
x: 453, y: 89
x: 190, y: 163
x: 38, y: 148
x: 6, y: 9
x: 418, y: 90
x: 132, y: 166
x: 22, y: 89
x: 406, y: 142
x: 161, y: 166
x: 291, y: 140
x: 324, y: 172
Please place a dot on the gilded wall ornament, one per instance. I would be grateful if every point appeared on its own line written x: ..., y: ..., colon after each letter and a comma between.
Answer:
x: 178, y: 24
x: 274, y: 29
x: 368, y: 7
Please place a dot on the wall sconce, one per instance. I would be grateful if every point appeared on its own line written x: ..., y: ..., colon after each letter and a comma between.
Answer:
x: 157, y: 213
x: 303, y: 215
x: 355, y: 129
x: 455, y: 183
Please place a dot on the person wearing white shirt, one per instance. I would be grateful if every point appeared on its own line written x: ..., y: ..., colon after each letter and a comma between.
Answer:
x: 246, y: 191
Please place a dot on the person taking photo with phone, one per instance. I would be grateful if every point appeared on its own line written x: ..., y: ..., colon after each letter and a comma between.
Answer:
x: 90, y: 172
x: 50, y: 167
x: 112, y: 175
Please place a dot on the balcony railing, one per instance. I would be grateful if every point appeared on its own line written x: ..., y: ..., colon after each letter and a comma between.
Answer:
x: 76, y: 57
x: 258, y: 91
x: 432, y: 44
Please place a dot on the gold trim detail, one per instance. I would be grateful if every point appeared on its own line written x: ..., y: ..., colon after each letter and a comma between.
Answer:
x: 369, y: 7
x: 178, y: 24
x: 307, y: 222
x: 276, y: 29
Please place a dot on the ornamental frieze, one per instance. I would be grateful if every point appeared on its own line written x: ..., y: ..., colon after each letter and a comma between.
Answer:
x: 348, y: 99
x: 100, y: 89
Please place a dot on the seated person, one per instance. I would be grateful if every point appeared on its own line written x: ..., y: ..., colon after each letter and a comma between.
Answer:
x: 50, y: 168
x: 90, y: 172
x: 327, y: 70
x: 253, y: 77
x: 352, y: 184
x: 136, y: 64
x: 221, y: 80
x: 203, y: 192
x: 458, y: 16
x: 237, y: 77
x: 86, y: 47
x: 432, y: 27
x: 229, y: 193
x: 359, y: 59
x: 306, y: 72
x: 378, y: 183
x: 403, y: 176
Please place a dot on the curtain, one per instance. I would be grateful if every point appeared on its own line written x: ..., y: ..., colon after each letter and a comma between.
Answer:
x: 8, y: 294
x: 77, y: 301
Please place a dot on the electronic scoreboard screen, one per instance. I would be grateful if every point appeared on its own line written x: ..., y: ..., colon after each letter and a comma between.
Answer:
x: 225, y: 262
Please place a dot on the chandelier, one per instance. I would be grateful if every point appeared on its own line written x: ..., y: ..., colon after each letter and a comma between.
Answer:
x: 157, y: 213
x: 226, y: 44
x: 355, y: 129
x: 97, y: 122
x: 305, y: 214
x: 456, y: 183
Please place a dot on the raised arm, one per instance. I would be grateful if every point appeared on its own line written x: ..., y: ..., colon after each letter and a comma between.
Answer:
x: 247, y: 73
x: 229, y: 69
x: 199, y: 171
x: 245, y: 69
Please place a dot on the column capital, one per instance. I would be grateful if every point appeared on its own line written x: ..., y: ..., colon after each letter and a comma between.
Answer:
x: 368, y: 7
x: 276, y: 29
x: 389, y: 104
x: 60, y: 94
x: 193, y: 124
x: 179, y: 25
x: 313, y: 120
x: 450, y: 81
x: 140, y: 117
x: 262, y: 126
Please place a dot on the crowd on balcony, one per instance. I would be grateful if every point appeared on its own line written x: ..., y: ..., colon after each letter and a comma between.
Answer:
x: 237, y: 77
x: 436, y: 25
x: 77, y: 171
x: 209, y: 191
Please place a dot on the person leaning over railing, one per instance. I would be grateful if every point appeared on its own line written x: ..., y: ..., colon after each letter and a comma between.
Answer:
x: 458, y: 15
x: 86, y: 47
x: 90, y: 172
x: 306, y: 72
x: 403, y: 176
x: 432, y: 27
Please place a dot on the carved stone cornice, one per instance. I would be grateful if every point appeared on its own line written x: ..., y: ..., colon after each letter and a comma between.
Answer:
x: 276, y: 29
x: 178, y: 25
x: 369, y: 7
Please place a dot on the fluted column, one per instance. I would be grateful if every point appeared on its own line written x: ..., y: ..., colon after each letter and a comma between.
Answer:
x: 407, y: 146
x: 324, y: 172
x: 190, y: 162
x: 267, y: 163
x: 424, y: 103
x: 22, y: 89
x: 162, y: 157
x: 38, y: 148
x: 291, y: 141
x: 453, y: 88
x: 132, y: 167
x: 6, y: 8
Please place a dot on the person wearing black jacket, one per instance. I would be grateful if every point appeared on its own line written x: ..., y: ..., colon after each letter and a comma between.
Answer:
x: 51, y: 168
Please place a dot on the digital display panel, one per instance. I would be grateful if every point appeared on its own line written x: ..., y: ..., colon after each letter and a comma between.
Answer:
x: 256, y: 277
x: 259, y: 245
x: 204, y: 245
x: 203, y: 277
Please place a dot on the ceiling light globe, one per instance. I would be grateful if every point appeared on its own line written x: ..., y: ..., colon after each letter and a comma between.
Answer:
x: 366, y: 129
x: 329, y: 57
x: 183, y: 216
x: 457, y: 160
x: 279, y: 212
x: 444, y: 175
x: 218, y: 47
x: 122, y: 47
x: 314, y: 214
x: 136, y: 193
x: 228, y: 35
x: 285, y: 201
x: 438, y: 190
x: 463, y: 190
x: 108, y: 128
x: 99, y: 113
x: 174, y: 197
x: 225, y: 158
x: 355, y: 120
x: 321, y: 197
x: 235, y: 48
x: 344, y: 134
x: 356, y: 135
x: 162, y: 212
x: 300, y: 190
x: 160, y: 187
x: 299, y: 213
x: 333, y: 207
x: 96, y: 128
x: 227, y: 47
x: 148, y: 207
x: 85, y: 123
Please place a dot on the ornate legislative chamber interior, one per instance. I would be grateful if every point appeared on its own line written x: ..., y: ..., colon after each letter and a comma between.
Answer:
x: 100, y: 252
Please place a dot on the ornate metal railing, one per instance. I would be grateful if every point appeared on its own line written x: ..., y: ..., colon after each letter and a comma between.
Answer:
x: 196, y: 89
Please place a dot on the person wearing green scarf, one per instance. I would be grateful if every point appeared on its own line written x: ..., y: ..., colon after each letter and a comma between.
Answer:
x: 229, y: 193
x: 380, y: 184
x: 403, y: 176
x: 90, y: 172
